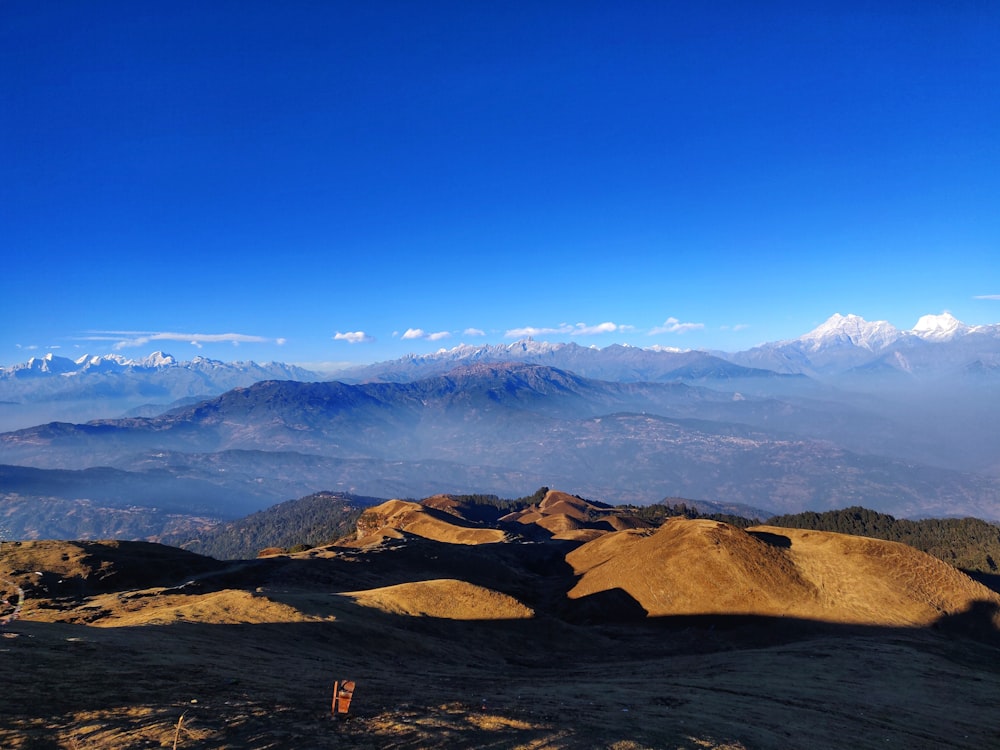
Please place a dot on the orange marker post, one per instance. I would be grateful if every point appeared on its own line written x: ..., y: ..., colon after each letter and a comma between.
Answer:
x: 343, y: 692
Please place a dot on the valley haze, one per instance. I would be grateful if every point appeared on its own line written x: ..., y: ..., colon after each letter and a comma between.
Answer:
x: 851, y: 413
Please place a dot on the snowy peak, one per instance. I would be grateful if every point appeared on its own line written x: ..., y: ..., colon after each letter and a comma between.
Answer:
x: 943, y: 327
x: 49, y: 364
x: 850, y: 344
x: 851, y: 330
x: 157, y: 359
x: 157, y: 362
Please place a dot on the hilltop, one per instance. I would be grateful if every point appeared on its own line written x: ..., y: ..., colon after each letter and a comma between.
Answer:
x: 572, y: 627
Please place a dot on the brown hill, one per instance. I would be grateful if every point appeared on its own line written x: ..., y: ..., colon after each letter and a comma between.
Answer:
x: 75, y: 569
x: 705, y: 567
x: 394, y: 516
x: 801, y: 639
x: 448, y: 599
x: 569, y: 517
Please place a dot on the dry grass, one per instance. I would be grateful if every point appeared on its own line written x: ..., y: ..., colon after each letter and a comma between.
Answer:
x: 446, y: 599
x: 414, y: 518
x: 465, y: 646
x: 703, y: 567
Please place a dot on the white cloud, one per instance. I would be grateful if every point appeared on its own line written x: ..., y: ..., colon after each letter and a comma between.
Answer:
x: 127, y: 339
x: 530, y: 331
x: 673, y: 325
x: 565, y: 329
x: 420, y: 333
x: 582, y: 329
x: 351, y: 337
x: 474, y: 332
x: 987, y: 296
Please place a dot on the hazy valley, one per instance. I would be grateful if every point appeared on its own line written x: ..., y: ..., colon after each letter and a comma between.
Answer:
x: 835, y: 427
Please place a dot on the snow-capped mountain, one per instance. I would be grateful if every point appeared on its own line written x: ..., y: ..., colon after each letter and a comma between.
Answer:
x: 937, y: 344
x: 92, y: 386
x: 841, y: 344
x: 850, y: 331
x: 51, y: 364
x: 943, y: 327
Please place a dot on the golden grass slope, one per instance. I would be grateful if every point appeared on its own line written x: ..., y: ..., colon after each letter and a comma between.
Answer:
x: 226, y: 607
x: 445, y: 598
x: 559, y: 516
x: 692, y: 567
x: 568, y: 517
x: 415, y: 518
x: 113, y: 584
x: 77, y: 567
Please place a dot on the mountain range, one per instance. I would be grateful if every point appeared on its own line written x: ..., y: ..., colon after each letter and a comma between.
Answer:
x: 501, y: 429
x: 842, y: 344
x: 853, y: 413
x: 92, y: 386
x: 937, y: 345
x: 846, y: 352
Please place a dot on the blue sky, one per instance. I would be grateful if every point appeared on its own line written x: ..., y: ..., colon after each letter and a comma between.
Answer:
x: 348, y: 182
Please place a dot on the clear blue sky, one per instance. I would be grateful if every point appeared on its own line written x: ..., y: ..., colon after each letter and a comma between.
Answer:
x: 699, y: 175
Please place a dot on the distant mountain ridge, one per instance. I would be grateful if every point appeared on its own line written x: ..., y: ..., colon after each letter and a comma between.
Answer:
x: 617, y: 362
x: 843, y: 343
x: 937, y: 344
x: 849, y: 344
x: 51, y: 388
x: 51, y: 364
x: 503, y: 428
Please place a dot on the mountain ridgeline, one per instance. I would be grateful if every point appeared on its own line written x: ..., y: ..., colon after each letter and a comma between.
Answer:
x: 852, y: 414
x: 502, y: 429
x: 325, y: 518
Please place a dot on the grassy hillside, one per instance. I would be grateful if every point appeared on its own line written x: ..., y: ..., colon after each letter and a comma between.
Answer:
x: 970, y: 544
